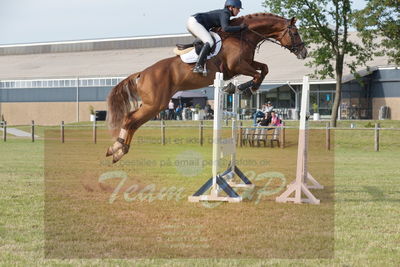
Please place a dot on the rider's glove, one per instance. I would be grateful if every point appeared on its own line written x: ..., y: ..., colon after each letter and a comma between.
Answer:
x: 243, y: 27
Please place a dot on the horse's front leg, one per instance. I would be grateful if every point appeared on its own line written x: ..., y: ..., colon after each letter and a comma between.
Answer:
x: 251, y: 86
x: 247, y: 69
x: 264, y: 71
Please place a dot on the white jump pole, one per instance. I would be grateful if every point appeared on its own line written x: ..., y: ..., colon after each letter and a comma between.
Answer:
x: 222, y: 148
x: 303, y: 177
x: 218, y: 106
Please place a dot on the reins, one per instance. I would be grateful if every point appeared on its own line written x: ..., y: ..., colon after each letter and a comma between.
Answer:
x: 294, y: 48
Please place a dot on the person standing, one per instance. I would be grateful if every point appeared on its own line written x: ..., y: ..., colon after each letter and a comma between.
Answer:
x: 171, y: 110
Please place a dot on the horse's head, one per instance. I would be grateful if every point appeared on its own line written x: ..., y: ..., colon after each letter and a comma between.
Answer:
x: 290, y: 38
x: 284, y: 31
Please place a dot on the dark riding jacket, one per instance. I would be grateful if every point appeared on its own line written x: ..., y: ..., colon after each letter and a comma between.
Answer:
x: 217, y: 18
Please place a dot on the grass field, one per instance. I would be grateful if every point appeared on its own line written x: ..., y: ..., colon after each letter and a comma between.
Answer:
x: 54, y: 211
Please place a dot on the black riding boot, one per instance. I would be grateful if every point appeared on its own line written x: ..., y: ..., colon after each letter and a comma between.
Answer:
x: 199, y: 68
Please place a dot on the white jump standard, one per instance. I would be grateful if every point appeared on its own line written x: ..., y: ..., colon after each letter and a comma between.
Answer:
x: 222, y: 147
x: 304, y: 180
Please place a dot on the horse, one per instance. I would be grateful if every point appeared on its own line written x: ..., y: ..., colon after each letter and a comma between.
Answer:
x: 156, y: 84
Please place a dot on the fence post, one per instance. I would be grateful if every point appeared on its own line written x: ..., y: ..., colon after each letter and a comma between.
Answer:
x: 163, y: 132
x: 201, y: 132
x: 95, y: 131
x: 4, y: 131
x: 328, y: 136
x: 33, y: 131
x: 62, y: 132
x: 283, y: 135
x: 377, y: 126
x: 240, y: 134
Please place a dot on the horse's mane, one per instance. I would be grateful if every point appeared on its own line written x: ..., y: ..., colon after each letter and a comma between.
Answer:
x: 245, y: 19
x: 255, y: 16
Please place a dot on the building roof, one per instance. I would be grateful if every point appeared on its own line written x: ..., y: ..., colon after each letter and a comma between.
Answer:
x: 114, y: 61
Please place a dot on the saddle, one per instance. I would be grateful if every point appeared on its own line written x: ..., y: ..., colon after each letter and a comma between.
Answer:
x: 189, y: 53
x: 197, y: 45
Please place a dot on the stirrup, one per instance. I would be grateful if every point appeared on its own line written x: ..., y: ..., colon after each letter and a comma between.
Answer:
x: 198, y: 69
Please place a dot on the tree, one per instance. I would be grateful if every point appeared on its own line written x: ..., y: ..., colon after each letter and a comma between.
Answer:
x: 381, y: 18
x: 326, y: 24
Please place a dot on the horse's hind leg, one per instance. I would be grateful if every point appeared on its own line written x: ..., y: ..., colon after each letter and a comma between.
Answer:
x: 133, y: 121
x: 122, y: 143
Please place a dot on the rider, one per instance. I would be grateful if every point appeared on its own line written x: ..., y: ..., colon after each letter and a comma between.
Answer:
x: 200, y: 24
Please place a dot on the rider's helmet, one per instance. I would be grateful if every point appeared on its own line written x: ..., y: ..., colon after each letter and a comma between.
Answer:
x: 234, y: 3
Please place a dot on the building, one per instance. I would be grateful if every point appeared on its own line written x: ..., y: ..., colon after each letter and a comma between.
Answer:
x: 51, y: 82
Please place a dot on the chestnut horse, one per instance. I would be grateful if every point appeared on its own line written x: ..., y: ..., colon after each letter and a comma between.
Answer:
x: 158, y: 83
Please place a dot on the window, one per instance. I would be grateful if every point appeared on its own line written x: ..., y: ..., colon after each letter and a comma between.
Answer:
x: 325, y: 100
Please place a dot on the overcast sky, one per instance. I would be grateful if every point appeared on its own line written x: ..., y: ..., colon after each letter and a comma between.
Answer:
x: 30, y: 21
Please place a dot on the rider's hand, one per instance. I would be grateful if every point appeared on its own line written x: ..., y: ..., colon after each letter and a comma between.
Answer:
x: 243, y: 27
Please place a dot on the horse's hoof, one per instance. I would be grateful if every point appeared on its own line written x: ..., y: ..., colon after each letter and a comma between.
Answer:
x: 114, y: 148
x: 118, y: 155
x: 230, y: 88
x: 109, y: 152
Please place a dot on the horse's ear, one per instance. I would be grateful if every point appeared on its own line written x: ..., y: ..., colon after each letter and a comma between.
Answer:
x: 293, y: 21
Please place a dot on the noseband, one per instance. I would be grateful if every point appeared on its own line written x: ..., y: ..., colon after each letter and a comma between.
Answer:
x: 294, y: 48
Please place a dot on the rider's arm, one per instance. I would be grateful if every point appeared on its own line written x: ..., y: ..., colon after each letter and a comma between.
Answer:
x: 225, y: 19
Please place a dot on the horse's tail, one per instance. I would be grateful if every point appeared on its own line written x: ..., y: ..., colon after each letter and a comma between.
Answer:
x: 119, y: 104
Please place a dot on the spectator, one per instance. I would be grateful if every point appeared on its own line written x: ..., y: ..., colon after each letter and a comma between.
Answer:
x: 209, y: 112
x: 269, y: 107
x: 171, y: 110
x: 266, y: 120
x: 260, y: 113
x: 275, y: 120
x: 189, y: 112
x: 178, y: 113
x: 185, y: 114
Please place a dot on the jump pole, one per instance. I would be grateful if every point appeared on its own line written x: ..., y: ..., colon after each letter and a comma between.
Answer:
x: 233, y: 169
x: 304, y: 180
x: 217, y: 183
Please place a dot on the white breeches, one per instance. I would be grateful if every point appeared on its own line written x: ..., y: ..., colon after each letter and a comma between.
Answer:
x: 199, y: 31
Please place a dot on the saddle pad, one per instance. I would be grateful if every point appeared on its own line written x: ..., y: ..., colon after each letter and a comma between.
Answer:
x: 192, y: 57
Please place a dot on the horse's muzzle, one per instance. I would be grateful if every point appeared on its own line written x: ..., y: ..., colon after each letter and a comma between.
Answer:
x: 302, y: 54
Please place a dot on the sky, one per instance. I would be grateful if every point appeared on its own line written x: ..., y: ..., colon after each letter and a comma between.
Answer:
x: 33, y: 21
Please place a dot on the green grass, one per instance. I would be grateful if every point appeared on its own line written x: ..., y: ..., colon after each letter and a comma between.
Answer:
x: 367, y: 199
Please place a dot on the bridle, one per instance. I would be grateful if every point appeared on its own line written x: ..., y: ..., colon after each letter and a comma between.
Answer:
x: 294, y: 48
